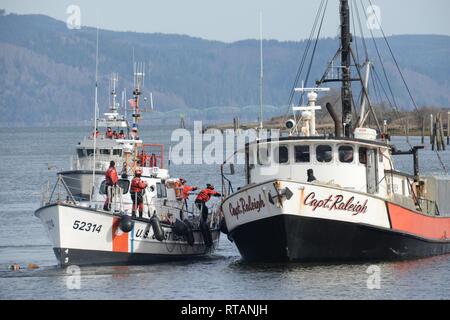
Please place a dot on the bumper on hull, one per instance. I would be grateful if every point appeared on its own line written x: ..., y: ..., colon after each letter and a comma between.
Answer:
x: 286, y: 238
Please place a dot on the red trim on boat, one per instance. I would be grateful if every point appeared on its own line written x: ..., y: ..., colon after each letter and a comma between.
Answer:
x: 431, y: 227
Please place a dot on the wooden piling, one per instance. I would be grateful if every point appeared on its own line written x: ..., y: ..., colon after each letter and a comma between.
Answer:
x: 407, y: 130
x: 423, y: 130
x: 431, y: 130
x: 441, y: 132
x: 448, y: 127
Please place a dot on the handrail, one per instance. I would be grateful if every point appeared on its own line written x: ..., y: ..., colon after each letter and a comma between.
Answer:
x: 224, y: 178
x: 58, y: 182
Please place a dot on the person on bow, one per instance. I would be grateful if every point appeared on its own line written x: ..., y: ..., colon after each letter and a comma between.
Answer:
x: 203, y: 197
x: 111, y: 179
x: 138, y: 187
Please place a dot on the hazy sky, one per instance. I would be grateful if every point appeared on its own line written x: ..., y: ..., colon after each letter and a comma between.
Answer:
x: 230, y: 20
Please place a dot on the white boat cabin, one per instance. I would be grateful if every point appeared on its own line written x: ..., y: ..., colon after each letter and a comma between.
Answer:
x: 358, y: 165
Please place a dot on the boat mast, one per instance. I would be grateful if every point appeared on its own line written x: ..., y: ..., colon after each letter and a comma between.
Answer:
x: 261, y: 74
x: 95, y: 119
x: 139, y: 75
x: 346, y: 90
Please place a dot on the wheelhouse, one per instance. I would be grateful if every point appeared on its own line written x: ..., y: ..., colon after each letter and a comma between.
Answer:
x: 352, y: 164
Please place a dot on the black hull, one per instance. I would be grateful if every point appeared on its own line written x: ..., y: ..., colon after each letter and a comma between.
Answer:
x: 81, y: 257
x: 285, y: 238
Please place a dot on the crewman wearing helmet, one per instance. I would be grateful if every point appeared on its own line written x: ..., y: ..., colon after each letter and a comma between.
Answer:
x: 137, y: 192
x: 203, y: 197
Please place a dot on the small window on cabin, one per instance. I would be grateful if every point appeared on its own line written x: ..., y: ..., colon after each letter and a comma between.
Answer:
x: 105, y: 152
x: 263, y: 156
x: 123, y: 183
x: 90, y: 152
x: 161, y: 191
x: 345, y: 154
x: 362, y: 154
x: 302, y: 153
x: 281, y: 154
x: 80, y: 153
x: 117, y: 152
x: 324, y: 153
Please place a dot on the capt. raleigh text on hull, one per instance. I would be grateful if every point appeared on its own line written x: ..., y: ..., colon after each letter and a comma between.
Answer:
x: 336, y: 203
x: 246, y: 205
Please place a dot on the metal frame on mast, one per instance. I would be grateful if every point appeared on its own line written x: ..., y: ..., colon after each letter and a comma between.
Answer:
x: 346, y: 90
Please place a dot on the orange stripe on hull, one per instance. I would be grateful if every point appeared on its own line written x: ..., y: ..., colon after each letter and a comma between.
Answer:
x: 431, y: 227
x: 119, y: 238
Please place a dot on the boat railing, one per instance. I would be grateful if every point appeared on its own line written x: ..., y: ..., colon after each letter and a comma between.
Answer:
x: 59, y: 192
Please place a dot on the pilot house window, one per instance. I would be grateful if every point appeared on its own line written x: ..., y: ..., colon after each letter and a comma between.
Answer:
x: 281, y: 154
x: 302, y: 153
x: 362, y: 155
x: 345, y: 154
x: 324, y: 153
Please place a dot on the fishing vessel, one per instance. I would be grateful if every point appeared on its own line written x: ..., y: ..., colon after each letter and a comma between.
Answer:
x: 86, y: 230
x: 335, y: 197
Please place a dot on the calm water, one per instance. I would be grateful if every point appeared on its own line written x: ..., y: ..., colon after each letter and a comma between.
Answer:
x: 29, y: 157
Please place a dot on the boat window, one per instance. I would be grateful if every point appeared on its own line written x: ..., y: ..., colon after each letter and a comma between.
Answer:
x: 324, y: 153
x: 302, y: 153
x: 263, y: 156
x: 105, y: 151
x: 81, y: 153
x: 362, y: 155
x: 123, y: 183
x: 345, y: 154
x: 281, y: 154
x: 90, y: 152
x: 161, y: 190
x: 117, y: 152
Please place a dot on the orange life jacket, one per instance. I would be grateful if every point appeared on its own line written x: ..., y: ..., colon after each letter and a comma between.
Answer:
x: 109, y: 134
x: 111, y: 176
x: 137, y: 185
x: 186, y: 191
x: 205, y: 195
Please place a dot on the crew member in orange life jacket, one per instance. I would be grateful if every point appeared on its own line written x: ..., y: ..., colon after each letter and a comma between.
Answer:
x: 121, y: 135
x: 109, y: 133
x: 185, y: 191
x: 137, y: 191
x: 111, y: 179
x: 203, y: 197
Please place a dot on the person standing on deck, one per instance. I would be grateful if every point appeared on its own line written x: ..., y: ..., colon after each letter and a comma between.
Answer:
x: 109, y: 133
x: 137, y: 193
x: 111, y: 179
x: 186, y: 191
x: 203, y: 197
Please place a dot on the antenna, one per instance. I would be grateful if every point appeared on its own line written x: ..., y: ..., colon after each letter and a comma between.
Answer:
x: 112, y: 85
x: 139, y: 75
x: 151, y: 100
x: 261, y: 74
x: 95, y: 118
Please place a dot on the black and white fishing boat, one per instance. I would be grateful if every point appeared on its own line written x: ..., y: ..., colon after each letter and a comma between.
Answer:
x: 338, y: 197
x: 84, y: 233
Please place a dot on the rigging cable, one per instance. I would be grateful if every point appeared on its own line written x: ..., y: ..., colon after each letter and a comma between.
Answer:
x: 314, y: 50
x: 395, y: 60
x: 381, y: 61
x: 305, y: 54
